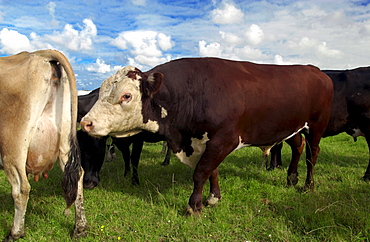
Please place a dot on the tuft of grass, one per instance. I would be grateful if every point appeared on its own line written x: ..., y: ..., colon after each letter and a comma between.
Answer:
x: 256, y: 205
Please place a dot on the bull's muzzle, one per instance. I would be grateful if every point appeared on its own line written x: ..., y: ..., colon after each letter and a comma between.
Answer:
x: 86, y: 125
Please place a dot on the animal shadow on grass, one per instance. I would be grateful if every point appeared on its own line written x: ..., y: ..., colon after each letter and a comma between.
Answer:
x: 153, y: 176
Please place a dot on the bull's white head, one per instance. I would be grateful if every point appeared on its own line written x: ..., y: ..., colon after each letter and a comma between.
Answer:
x: 118, y: 111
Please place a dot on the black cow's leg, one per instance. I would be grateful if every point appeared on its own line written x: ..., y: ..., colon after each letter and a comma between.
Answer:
x: 125, y: 150
x: 137, y: 147
x: 167, y: 159
x: 366, y: 176
x: 275, y: 157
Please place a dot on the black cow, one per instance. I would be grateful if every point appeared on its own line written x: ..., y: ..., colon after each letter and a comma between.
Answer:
x: 350, y: 110
x: 208, y: 107
x: 93, y: 149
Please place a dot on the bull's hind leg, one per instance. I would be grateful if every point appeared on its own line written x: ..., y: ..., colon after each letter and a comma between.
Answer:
x: 17, y: 177
x: 296, y: 144
x: 312, y: 151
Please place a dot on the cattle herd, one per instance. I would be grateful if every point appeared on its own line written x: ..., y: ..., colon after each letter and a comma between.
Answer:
x: 202, y: 108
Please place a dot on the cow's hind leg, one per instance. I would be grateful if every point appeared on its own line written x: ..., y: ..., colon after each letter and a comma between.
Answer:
x: 296, y: 144
x: 20, y: 191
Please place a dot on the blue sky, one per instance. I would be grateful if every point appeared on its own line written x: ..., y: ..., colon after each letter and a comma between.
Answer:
x: 100, y: 37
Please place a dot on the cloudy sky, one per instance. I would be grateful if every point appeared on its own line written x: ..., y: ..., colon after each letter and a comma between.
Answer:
x: 100, y: 37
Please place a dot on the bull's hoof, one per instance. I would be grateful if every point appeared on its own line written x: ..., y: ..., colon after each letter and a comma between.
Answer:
x: 366, y: 177
x: 292, y: 179
x: 192, y: 212
x: 308, y: 186
x: 212, y: 200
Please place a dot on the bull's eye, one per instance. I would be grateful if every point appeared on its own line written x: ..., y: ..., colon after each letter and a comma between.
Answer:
x: 126, y: 97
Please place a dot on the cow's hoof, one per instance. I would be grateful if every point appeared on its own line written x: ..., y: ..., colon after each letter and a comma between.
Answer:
x: 135, y: 181
x: 212, y: 200
x: 165, y: 163
x: 366, y: 177
x: 292, y: 180
x: 271, y: 168
x: 90, y: 184
x: 11, y: 237
x: 79, y: 232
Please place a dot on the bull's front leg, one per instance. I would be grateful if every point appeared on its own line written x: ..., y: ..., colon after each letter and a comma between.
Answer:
x: 206, y: 168
x: 214, y: 193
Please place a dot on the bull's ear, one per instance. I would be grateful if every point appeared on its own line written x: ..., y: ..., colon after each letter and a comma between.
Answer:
x: 153, y: 83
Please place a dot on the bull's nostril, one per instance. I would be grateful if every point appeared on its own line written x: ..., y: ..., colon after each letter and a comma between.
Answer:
x: 86, y: 125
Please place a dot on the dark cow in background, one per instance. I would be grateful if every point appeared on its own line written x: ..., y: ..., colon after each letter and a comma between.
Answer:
x: 93, y: 149
x: 350, y: 110
x: 208, y: 107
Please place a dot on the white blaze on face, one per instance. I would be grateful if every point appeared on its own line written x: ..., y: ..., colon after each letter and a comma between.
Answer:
x: 118, y: 111
x: 199, y: 147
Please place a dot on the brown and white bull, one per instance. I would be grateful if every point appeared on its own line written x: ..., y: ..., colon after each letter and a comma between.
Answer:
x: 38, y: 113
x: 209, y: 107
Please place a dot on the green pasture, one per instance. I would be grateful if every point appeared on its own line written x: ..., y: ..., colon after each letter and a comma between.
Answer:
x: 256, y: 205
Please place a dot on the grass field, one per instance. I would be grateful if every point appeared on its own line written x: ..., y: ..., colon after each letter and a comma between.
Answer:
x: 256, y: 205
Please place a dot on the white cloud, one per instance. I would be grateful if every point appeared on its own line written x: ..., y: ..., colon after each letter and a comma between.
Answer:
x: 51, y: 8
x: 278, y: 59
x: 228, y: 14
x: 212, y: 49
x: 73, y: 39
x: 230, y: 38
x: 251, y: 54
x: 309, y: 45
x: 100, y: 67
x: 145, y: 46
x: 13, y: 42
x: 255, y: 34
x: 151, y: 60
x: 139, y: 2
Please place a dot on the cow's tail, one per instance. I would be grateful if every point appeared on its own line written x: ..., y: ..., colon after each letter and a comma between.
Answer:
x: 73, y: 170
x: 72, y: 173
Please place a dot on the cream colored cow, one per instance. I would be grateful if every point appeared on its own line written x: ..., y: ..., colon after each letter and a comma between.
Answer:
x: 38, y: 112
